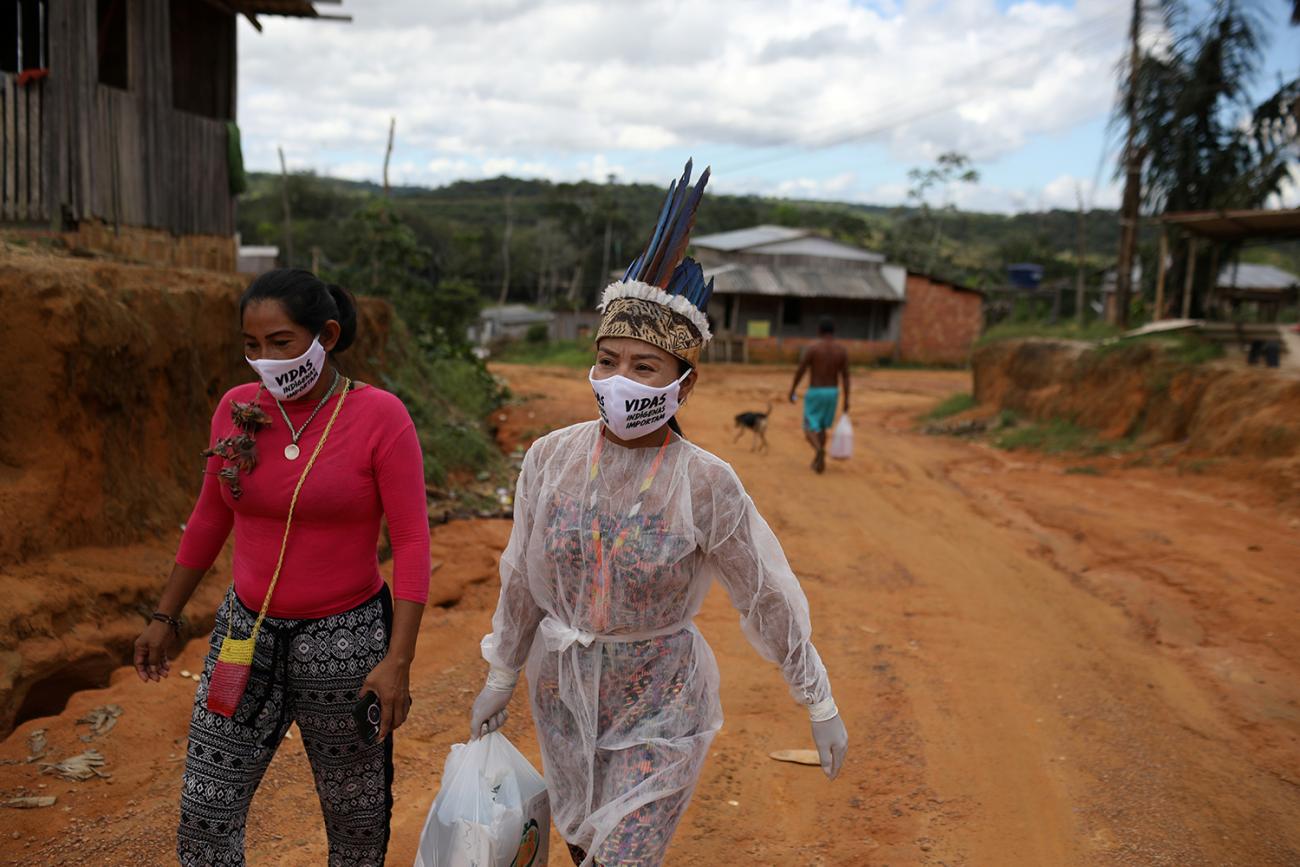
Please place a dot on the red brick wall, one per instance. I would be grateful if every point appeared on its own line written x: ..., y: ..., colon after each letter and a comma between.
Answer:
x: 939, y: 323
x: 787, y: 349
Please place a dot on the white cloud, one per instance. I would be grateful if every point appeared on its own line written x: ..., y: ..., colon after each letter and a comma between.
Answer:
x: 537, y: 88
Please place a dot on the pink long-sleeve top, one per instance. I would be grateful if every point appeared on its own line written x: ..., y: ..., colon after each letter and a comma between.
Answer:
x: 371, y: 467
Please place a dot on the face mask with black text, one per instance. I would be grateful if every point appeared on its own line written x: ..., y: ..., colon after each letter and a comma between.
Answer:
x: 291, y: 378
x: 631, y: 409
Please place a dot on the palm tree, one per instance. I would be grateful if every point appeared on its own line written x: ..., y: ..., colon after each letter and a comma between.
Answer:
x: 1203, y: 144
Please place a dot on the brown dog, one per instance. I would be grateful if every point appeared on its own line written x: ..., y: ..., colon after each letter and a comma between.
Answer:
x: 755, y: 423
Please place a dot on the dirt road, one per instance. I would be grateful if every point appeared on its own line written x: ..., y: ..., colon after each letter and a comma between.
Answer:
x: 1037, y: 667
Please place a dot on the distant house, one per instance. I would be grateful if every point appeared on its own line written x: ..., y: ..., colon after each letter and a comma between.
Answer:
x: 257, y: 259
x: 508, y: 322
x: 118, y: 122
x: 773, y: 284
x: 1269, y: 289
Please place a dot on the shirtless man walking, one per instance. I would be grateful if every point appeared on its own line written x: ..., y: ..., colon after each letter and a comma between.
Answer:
x: 828, y: 363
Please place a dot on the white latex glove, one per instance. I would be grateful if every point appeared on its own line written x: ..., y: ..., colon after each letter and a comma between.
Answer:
x: 489, y: 712
x: 832, y: 741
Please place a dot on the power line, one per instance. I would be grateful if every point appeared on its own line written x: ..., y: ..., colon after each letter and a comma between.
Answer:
x: 1088, y: 30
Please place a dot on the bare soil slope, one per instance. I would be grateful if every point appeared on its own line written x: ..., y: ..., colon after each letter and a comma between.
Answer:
x: 111, y: 373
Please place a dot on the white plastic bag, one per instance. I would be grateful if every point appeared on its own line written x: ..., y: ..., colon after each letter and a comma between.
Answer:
x: 842, y: 439
x: 491, y: 810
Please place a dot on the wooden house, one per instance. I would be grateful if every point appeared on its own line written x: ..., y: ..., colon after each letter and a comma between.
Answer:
x: 772, y: 285
x: 117, y: 122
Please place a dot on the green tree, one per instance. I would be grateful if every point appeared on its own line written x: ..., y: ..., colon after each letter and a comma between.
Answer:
x: 1203, y: 143
x: 385, y: 258
x: 917, y: 236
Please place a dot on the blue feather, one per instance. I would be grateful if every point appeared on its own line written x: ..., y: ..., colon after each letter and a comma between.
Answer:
x: 638, y: 267
x: 659, y: 265
x: 662, y: 263
x: 683, y: 222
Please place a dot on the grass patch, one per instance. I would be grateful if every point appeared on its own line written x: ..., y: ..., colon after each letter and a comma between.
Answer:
x: 1097, y: 330
x: 560, y: 353
x: 448, y: 399
x: 950, y: 406
x: 1084, y: 470
x: 1058, y: 437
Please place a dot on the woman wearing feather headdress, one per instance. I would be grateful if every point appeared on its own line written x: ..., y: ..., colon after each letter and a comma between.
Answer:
x: 620, y: 526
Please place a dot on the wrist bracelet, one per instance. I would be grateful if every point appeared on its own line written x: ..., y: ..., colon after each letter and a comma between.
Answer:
x: 173, y: 622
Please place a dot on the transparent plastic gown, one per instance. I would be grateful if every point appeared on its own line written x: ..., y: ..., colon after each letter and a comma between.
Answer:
x: 599, y: 587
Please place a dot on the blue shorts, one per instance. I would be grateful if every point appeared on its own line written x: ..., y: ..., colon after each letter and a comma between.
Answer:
x: 819, y: 408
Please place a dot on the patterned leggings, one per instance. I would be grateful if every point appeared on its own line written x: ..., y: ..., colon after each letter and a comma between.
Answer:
x: 308, y: 672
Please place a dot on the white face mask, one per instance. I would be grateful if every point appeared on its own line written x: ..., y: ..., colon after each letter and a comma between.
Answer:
x: 631, y: 409
x: 291, y: 378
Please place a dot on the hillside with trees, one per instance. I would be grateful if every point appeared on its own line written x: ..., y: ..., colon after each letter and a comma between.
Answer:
x: 564, y: 237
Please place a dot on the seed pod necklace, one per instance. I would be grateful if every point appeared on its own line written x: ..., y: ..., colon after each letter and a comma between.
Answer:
x: 291, y: 451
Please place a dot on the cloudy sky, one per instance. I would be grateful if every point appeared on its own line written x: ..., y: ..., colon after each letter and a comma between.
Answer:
x: 803, y: 98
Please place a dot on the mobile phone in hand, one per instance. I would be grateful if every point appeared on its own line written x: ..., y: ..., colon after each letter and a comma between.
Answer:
x: 368, y: 715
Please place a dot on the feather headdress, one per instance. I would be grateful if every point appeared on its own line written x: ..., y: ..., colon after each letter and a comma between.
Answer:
x: 662, y: 297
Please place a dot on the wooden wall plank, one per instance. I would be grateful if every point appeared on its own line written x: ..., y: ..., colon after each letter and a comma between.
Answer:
x: 55, y: 152
x: 10, y: 150
x: 36, y: 152
x: 19, y: 136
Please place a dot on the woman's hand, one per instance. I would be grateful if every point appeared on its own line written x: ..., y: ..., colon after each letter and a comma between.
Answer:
x: 152, y: 660
x: 489, y: 712
x: 832, y: 741
x: 390, y: 680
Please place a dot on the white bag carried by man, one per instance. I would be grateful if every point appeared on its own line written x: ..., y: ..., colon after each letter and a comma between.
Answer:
x: 842, y: 439
x: 491, y: 810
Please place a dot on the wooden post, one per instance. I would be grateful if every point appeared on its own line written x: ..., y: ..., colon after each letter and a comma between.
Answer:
x: 1212, y: 290
x: 1160, y: 274
x: 315, y: 259
x: 1078, y: 259
x: 288, y: 219
x: 505, y: 250
x: 392, y: 128
x: 1188, y: 278
x: 1132, y: 179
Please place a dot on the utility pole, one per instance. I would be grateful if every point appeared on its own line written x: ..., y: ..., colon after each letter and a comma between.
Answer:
x: 1078, y: 260
x: 603, y: 278
x: 288, y: 220
x: 392, y: 128
x: 1132, y: 180
x: 505, y: 250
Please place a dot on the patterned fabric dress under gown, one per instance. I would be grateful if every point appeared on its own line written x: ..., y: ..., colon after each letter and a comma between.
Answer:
x: 305, y: 672
x: 599, y: 587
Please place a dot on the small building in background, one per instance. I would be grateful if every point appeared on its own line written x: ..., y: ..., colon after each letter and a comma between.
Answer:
x: 1263, y: 287
x: 774, y: 284
x: 510, y: 322
x: 255, y: 260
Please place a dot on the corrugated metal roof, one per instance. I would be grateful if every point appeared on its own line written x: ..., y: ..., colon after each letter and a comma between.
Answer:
x: 1250, y: 276
x: 515, y: 314
x: 815, y: 246
x: 865, y: 284
x: 784, y: 241
x: 286, y: 8
x: 743, y: 239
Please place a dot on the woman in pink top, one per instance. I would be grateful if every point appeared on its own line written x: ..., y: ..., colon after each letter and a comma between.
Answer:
x: 333, y: 632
